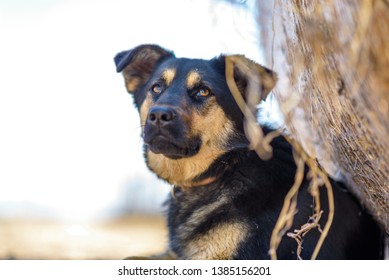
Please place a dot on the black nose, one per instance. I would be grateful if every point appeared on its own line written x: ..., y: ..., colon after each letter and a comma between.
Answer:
x: 161, y: 115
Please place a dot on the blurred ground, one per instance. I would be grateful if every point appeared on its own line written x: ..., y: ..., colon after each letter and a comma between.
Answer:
x: 113, y: 239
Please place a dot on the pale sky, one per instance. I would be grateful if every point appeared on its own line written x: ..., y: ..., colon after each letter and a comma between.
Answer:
x: 69, y: 144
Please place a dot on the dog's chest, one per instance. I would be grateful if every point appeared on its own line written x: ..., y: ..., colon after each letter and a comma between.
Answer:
x: 204, y: 224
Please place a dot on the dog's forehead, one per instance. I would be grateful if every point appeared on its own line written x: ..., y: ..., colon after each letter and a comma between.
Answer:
x: 186, y: 64
x: 190, y: 71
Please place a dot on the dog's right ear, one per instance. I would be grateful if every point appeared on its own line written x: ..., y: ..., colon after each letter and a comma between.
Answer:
x: 137, y: 64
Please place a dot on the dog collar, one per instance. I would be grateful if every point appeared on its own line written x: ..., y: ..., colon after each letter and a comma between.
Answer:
x: 201, y: 183
x: 204, y: 182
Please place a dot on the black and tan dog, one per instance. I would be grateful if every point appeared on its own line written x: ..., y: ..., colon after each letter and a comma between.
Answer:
x: 227, y: 200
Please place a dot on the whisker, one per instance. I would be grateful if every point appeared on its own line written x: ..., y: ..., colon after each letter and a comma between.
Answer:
x: 139, y: 127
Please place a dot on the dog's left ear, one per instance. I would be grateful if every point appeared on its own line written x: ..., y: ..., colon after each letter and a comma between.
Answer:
x: 139, y: 63
x: 253, y: 81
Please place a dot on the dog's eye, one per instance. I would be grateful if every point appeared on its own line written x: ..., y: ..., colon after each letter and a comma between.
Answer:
x: 156, y: 89
x: 203, y: 92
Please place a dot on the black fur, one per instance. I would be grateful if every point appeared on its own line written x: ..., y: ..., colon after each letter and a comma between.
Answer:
x: 256, y: 190
x: 245, y: 189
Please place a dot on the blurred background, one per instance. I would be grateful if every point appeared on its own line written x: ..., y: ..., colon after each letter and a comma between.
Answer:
x: 73, y: 183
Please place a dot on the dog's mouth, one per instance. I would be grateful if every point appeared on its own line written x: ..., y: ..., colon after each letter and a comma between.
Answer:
x: 163, y: 145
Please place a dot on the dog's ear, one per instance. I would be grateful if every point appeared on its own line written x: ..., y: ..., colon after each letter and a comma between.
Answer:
x: 253, y: 81
x: 137, y: 64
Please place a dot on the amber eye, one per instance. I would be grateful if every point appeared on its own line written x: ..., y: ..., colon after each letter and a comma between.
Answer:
x: 203, y: 92
x: 156, y: 89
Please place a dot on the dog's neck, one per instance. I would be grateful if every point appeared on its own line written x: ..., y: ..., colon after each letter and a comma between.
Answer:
x: 186, y: 172
x: 199, y: 183
x: 204, y: 182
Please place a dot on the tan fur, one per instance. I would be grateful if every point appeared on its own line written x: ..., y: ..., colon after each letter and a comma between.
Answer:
x: 192, y: 79
x: 199, y: 216
x: 132, y: 84
x: 219, y: 243
x: 168, y: 75
x: 144, y: 109
x: 214, y: 129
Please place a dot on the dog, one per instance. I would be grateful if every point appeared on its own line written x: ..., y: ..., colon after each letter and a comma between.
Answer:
x: 226, y: 199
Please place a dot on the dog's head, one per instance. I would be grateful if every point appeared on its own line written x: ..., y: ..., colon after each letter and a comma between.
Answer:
x: 189, y: 116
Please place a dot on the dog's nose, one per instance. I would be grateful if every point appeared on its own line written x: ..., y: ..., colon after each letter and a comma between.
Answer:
x: 161, y: 115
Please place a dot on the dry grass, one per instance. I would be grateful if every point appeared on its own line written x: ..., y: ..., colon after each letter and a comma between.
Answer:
x: 261, y: 144
x: 113, y: 239
x: 318, y: 179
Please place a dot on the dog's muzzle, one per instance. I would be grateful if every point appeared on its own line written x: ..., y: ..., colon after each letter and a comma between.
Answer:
x: 165, y: 133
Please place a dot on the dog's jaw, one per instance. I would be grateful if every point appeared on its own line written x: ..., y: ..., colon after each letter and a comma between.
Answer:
x: 184, y: 171
x: 171, y: 150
